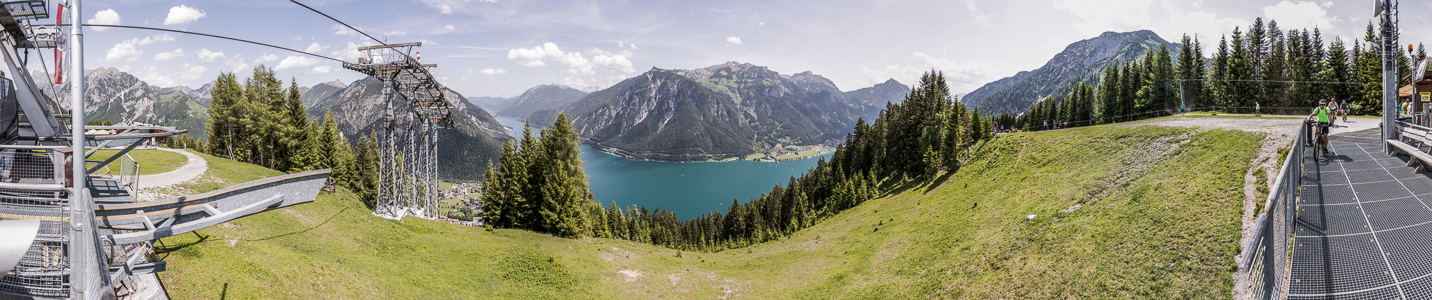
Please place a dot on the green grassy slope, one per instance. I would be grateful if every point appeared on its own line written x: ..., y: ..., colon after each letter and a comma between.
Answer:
x: 150, y: 161
x: 1159, y: 219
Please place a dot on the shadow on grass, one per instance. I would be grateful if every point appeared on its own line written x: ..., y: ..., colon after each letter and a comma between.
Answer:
x: 939, y: 181
x: 165, y: 249
x: 330, y: 218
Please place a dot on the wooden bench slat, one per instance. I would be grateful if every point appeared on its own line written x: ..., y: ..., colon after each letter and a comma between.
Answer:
x: 1413, y: 153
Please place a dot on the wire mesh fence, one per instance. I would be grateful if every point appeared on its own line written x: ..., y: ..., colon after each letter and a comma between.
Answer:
x: 1267, y: 255
x: 44, y: 270
x: 129, y: 174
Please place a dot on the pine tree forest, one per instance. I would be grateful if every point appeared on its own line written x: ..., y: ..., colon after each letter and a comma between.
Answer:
x: 261, y: 122
x: 1261, y: 64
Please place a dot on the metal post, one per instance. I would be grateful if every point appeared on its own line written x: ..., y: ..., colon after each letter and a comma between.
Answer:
x: 1389, y: 73
x: 80, y: 209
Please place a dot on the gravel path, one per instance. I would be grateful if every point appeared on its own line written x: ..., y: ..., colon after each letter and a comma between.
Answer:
x: 195, y: 167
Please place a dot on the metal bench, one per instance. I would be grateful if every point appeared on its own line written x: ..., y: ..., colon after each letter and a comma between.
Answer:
x: 1417, y: 134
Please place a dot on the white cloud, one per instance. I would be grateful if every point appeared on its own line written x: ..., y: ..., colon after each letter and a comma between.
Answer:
x: 123, y: 52
x: 962, y: 77
x: 761, y: 23
x: 314, y: 48
x: 491, y: 71
x: 446, y: 10
x: 343, y: 30
x: 236, y: 64
x: 395, y: 33
x: 1207, y: 27
x: 575, y: 82
x: 155, y: 79
x: 734, y: 40
x: 193, y: 72
x: 1099, y: 16
x: 633, y: 45
x: 182, y: 14
x: 104, y: 17
x: 469, y: 71
x: 128, y: 50
x: 449, y: 27
x: 1300, y: 14
x: 348, y: 53
x: 536, y: 57
x: 207, y: 55
x: 612, y: 61
x: 296, y: 38
x: 266, y: 58
x: 321, y: 70
x: 179, y: 52
x: 294, y: 61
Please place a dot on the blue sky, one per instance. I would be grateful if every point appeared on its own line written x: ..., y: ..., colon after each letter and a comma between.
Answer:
x: 503, y: 47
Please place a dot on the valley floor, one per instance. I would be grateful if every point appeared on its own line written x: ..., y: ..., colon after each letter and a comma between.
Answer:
x: 1119, y: 212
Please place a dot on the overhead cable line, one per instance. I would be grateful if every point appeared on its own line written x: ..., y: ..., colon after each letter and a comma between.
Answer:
x: 210, y: 35
x: 355, y: 29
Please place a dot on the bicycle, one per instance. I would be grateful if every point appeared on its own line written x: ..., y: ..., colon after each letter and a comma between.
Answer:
x: 1320, y: 138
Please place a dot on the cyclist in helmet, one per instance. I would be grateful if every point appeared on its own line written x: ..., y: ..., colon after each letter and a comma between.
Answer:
x: 1324, y: 121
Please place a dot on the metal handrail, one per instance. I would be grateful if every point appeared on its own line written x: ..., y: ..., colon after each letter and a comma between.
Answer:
x: 1267, y: 255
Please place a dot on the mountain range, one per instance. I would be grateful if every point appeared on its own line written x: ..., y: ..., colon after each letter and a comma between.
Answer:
x: 1082, y: 61
x: 717, y: 112
x: 539, y: 98
x: 116, y: 96
x: 465, y: 148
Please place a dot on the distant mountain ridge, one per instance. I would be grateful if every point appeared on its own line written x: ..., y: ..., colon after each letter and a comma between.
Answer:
x: 1082, y: 61
x: 113, y: 95
x: 721, y: 111
x: 116, y: 96
x: 540, y: 97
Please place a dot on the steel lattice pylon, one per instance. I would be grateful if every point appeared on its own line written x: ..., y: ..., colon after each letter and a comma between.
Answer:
x: 407, y: 164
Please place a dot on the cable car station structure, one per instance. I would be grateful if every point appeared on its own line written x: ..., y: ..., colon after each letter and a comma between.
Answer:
x: 93, y: 237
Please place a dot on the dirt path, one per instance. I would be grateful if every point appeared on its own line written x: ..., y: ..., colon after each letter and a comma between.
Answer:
x: 1280, y: 132
x: 150, y: 185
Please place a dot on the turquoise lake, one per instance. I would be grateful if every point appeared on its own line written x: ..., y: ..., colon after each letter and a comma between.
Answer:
x: 687, y: 189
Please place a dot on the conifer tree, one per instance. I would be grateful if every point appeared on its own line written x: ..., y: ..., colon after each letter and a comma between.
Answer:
x: 298, y: 156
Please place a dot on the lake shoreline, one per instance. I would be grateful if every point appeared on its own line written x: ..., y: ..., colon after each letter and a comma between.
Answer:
x: 822, y: 152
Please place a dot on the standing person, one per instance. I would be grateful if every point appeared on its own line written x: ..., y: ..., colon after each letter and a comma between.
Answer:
x: 1182, y: 108
x: 1257, y: 109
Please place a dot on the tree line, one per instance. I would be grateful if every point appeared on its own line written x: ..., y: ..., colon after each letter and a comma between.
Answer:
x: 258, y: 121
x: 538, y: 184
x: 1264, y: 65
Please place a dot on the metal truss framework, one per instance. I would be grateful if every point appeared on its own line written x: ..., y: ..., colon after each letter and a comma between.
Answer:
x: 407, y: 164
x: 93, y: 237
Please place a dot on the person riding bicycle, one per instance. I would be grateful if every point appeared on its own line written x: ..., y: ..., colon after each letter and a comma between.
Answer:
x: 1324, y: 121
x: 1344, y: 109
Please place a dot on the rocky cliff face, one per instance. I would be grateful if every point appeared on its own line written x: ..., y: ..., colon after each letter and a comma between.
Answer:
x: 716, y: 112
x: 1082, y: 61
x: 120, y: 97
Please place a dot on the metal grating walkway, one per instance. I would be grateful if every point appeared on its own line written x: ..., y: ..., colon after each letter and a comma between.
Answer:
x: 1364, y: 227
